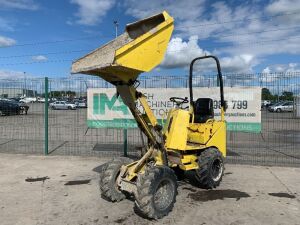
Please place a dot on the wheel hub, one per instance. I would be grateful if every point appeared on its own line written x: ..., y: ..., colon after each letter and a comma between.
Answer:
x: 164, y: 195
x: 217, y: 169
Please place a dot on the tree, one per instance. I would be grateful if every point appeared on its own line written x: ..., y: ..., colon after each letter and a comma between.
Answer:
x: 59, y: 94
x: 266, y: 94
x: 287, y: 96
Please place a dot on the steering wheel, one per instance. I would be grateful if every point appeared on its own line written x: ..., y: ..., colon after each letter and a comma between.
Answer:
x: 179, y: 101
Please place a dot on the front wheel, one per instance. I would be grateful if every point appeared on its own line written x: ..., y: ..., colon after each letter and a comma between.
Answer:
x: 108, y: 178
x: 156, y: 192
x: 211, y: 168
x: 278, y: 110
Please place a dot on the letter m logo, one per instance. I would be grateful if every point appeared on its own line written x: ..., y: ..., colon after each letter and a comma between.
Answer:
x: 102, y: 103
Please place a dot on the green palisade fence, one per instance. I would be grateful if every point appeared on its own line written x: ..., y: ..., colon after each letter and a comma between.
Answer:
x: 66, y: 132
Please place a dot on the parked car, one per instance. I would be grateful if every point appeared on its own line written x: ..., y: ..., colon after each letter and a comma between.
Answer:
x: 23, y: 106
x: 9, y: 108
x: 80, y: 104
x: 273, y: 104
x: 41, y: 100
x: 15, y: 99
x: 28, y: 100
x: 62, y: 105
x: 265, y: 103
x: 282, y: 107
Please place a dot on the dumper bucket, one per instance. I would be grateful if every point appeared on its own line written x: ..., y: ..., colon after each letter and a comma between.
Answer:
x: 139, y: 49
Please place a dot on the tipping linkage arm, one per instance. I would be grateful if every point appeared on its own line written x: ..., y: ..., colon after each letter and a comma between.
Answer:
x: 146, y: 122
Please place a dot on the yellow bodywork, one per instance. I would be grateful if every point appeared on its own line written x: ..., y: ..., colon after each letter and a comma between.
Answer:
x: 183, y: 135
x: 139, y: 49
x: 176, y: 129
x: 188, y: 139
x: 146, y: 51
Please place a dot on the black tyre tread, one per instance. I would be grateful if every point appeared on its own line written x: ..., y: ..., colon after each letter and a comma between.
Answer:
x: 107, y: 179
x: 180, y: 174
x: 145, y: 190
x: 202, y: 174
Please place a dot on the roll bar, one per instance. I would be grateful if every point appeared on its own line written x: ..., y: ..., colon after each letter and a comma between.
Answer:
x: 219, y: 77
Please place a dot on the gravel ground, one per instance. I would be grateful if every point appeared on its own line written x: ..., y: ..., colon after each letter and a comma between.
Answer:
x: 64, y: 190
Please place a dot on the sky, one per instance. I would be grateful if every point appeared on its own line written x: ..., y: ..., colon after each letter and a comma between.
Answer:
x: 42, y: 38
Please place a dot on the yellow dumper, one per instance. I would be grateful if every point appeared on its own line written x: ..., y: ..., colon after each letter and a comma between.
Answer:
x: 191, y: 139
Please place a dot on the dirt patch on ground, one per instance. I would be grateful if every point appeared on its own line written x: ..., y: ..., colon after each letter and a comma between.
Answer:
x: 249, y: 195
x: 211, y: 195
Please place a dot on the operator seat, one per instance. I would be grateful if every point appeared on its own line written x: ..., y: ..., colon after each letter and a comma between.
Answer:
x: 203, y: 110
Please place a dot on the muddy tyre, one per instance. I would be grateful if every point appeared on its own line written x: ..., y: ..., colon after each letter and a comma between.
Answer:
x: 156, y: 192
x: 180, y: 174
x: 108, y: 177
x: 211, y: 168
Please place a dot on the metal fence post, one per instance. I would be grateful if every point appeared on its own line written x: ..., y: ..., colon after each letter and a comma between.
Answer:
x: 46, y: 116
x: 125, y: 144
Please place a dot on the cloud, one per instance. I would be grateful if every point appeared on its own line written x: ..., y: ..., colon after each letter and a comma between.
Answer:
x: 259, y: 30
x: 238, y: 64
x: 180, y: 54
x: 5, y: 25
x: 19, y: 4
x: 268, y: 77
x: 181, y: 10
x: 280, y: 6
x: 289, y: 10
x: 280, y: 71
x: 239, y: 29
x: 5, y: 41
x: 39, y: 58
x: 282, y: 68
x: 10, y: 74
x: 91, y: 11
x: 266, y: 70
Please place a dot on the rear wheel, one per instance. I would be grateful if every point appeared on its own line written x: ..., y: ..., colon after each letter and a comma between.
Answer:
x: 108, y: 178
x: 156, y: 192
x: 53, y: 107
x: 211, y: 168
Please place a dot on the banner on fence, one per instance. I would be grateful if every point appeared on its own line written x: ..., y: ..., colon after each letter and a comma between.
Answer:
x: 243, y: 113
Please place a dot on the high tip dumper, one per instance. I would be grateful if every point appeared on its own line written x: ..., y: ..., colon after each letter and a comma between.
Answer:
x: 191, y: 139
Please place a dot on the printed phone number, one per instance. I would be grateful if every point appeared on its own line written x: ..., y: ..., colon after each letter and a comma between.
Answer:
x: 236, y: 104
